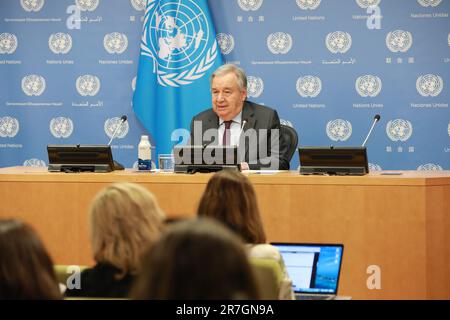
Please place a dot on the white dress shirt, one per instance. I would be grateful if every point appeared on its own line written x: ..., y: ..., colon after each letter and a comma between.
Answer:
x: 235, y: 130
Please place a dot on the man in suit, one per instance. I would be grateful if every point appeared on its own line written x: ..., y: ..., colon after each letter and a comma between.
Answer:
x: 235, y: 121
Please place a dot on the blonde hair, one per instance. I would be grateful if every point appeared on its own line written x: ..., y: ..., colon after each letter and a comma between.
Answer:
x: 124, y: 219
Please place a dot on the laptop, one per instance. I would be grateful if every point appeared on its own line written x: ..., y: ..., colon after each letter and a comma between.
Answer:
x: 313, y: 268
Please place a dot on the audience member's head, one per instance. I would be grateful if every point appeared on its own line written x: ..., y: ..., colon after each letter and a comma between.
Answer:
x: 196, y: 259
x: 26, y: 269
x: 124, y: 219
x: 230, y: 198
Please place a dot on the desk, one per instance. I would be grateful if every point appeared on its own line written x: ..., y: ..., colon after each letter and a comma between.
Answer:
x: 399, y: 224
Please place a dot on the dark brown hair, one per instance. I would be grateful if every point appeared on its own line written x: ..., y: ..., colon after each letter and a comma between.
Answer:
x: 196, y: 259
x: 26, y: 269
x: 230, y: 198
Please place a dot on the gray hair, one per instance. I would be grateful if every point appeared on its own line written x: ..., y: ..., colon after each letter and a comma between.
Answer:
x: 231, y: 68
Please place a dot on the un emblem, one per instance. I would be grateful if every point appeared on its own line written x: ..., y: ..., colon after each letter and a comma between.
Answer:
x: 35, y: 163
x: 111, y: 125
x: 399, y: 130
x: 250, y: 5
x: 138, y: 5
x: 367, y: 3
x: 61, y: 127
x: 87, y: 5
x: 8, y: 43
x: 60, y: 42
x: 339, y: 130
x: 226, y: 42
x: 286, y: 123
x: 338, y: 41
x: 368, y: 85
x: 88, y: 85
x: 255, y: 86
x: 9, y: 127
x: 115, y: 42
x: 308, y: 4
x: 32, y: 5
x: 374, y: 167
x: 429, y: 167
x: 279, y: 42
x: 399, y: 40
x: 33, y: 85
x: 429, y: 85
x: 309, y: 86
x: 179, y: 40
x: 429, y: 3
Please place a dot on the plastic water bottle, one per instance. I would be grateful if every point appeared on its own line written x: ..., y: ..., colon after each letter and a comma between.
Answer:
x: 144, y: 154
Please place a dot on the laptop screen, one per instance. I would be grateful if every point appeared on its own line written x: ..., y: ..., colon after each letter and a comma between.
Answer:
x: 313, y: 268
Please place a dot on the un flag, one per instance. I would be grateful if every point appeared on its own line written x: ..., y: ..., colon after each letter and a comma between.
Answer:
x: 178, y: 53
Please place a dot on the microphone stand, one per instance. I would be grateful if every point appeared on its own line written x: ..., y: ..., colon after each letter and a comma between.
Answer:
x: 117, y: 129
x: 376, y: 119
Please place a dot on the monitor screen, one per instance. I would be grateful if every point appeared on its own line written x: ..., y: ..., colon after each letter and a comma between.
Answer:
x: 313, y: 268
x: 75, y: 158
x: 333, y: 160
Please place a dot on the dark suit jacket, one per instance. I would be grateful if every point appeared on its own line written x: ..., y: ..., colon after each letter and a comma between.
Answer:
x: 265, y: 147
x: 100, y: 281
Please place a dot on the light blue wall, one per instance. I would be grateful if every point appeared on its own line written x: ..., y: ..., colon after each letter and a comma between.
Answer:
x: 275, y: 41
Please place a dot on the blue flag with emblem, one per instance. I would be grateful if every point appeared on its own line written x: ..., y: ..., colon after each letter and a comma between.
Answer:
x: 178, y: 53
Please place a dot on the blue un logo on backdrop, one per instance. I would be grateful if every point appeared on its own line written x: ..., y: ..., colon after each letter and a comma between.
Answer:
x: 138, y: 5
x: 399, y: 40
x: 399, y: 130
x: 367, y: 3
x: 61, y: 127
x: 111, y: 125
x: 339, y: 130
x: 226, y: 42
x: 9, y: 127
x: 115, y: 42
x: 308, y: 4
x: 33, y: 85
x: 8, y: 43
x: 32, y: 5
x: 309, y: 86
x: 255, y: 86
x: 250, y: 5
x: 60, y: 43
x: 338, y: 41
x: 429, y: 3
x: 429, y: 85
x: 279, y: 42
x: 177, y: 37
x: 87, y: 5
x: 368, y: 85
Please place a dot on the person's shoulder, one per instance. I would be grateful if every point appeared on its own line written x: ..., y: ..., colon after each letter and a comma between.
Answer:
x: 264, y: 251
x: 206, y: 114
x: 99, y: 272
x: 259, y: 108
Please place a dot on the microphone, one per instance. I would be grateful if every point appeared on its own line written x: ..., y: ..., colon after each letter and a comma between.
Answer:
x: 122, y: 120
x: 375, y: 120
x: 244, y: 122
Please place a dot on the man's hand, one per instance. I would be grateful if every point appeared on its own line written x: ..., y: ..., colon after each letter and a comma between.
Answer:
x: 244, y: 166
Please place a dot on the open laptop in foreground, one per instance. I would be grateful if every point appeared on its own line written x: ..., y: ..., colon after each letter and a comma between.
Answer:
x: 313, y: 268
